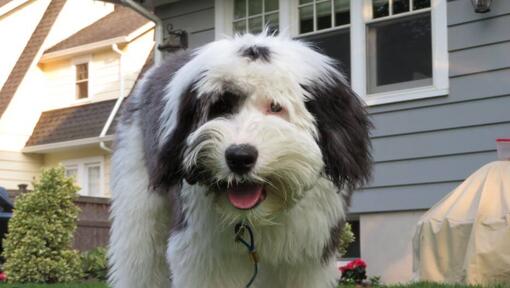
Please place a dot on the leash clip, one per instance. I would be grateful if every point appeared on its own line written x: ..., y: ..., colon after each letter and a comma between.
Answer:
x: 239, y: 231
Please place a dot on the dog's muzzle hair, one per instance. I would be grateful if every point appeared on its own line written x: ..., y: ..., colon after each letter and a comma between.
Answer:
x: 283, y: 159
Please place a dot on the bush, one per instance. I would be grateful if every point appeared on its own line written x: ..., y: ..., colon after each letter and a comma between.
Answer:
x: 95, y: 263
x: 346, y: 238
x: 38, y: 245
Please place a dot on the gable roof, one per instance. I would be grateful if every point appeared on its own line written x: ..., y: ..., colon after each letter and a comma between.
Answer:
x: 78, y: 122
x: 27, y: 56
x: 120, y: 23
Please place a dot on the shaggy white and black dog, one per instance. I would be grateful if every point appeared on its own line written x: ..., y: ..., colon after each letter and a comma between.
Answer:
x: 257, y: 129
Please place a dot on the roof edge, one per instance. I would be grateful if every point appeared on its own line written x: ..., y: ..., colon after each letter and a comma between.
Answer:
x: 94, y: 46
x: 65, y: 145
x: 66, y: 53
x: 11, y: 6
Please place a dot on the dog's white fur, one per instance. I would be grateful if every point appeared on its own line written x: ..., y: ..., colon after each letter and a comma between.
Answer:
x: 292, y: 226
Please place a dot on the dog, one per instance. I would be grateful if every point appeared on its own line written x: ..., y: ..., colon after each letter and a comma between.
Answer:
x: 259, y: 131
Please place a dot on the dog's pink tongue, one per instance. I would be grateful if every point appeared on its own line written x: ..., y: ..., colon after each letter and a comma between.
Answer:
x: 245, y: 196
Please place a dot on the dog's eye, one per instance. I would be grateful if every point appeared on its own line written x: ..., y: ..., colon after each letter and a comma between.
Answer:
x: 276, y: 108
x: 220, y: 108
x: 224, y: 105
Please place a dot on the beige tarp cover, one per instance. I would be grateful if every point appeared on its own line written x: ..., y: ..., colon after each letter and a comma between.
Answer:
x: 465, y: 238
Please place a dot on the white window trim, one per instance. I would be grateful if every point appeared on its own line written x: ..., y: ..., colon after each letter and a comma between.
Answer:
x: 82, y: 180
x: 360, y: 15
x: 81, y: 60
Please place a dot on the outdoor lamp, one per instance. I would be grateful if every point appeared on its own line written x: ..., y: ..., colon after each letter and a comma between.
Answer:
x: 176, y: 40
x: 482, y: 6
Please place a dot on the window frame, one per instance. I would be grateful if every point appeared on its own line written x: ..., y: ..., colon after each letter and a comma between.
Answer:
x: 87, y: 59
x: 360, y: 18
x: 81, y: 164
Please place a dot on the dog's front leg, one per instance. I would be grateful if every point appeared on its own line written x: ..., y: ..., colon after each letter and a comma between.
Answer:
x: 140, y: 221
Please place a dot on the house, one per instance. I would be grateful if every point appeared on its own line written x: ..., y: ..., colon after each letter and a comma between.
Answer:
x: 63, y: 76
x: 433, y: 73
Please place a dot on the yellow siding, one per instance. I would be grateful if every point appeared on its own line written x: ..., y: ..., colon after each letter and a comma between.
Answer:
x: 103, y: 73
x: 18, y: 168
x: 33, y: 96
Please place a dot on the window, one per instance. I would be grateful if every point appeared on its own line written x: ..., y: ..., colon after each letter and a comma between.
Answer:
x: 82, y: 81
x: 393, y: 50
x: 253, y: 15
x: 399, y: 32
x: 315, y: 15
x: 327, y: 24
x: 88, y: 174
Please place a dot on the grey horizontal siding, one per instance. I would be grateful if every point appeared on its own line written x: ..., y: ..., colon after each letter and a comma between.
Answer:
x: 413, y: 197
x: 462, y: 89
x: 480, y: 33
x: 480, y: 59
x: 429, y: 170
x: 449, y: 116
x: 184, y: 7
x: 439, y: 143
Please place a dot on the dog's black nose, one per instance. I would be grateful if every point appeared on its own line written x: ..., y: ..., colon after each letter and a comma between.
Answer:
x: 241, y: 158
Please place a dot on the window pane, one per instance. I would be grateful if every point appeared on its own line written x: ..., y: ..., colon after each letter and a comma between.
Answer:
x: 342, y: 12
x: 272, y: 22
x: 255, y: 25
x: 239, y: 9
x: 270, y: 5
x: 239, y: 27
x: 305, y: 1
x: 82, y: 90
x: 400, y: 6
x: 306, y: 19
x: 380, y: 8
x: 323, y: 15
x: 94, y: 185
x: 72, y: 172
x: 82, y: 72
x: 420, y: 4
x: 336, y: 44
x: 254, y: 7
x: 400, y: 51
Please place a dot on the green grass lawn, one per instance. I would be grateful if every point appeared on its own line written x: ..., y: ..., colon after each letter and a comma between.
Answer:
x: 103, y: 285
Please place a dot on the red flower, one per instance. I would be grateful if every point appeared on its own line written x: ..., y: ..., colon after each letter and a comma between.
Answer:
x: 3, y: 277
x: 359, y: 263
x: 353, y: 265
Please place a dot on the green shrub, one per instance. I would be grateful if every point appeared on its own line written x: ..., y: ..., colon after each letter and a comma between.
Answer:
x: 38, y: 246
x: 346, y: 238
x: 95, y: 263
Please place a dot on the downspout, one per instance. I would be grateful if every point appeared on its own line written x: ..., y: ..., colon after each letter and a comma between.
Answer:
x: 116, y: 107
x: 159, y: 34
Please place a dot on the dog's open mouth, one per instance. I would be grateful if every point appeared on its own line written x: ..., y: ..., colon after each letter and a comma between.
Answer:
x: 245, y: 195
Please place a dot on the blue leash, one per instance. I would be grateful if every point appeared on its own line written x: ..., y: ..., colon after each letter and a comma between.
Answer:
x: 239, y: 231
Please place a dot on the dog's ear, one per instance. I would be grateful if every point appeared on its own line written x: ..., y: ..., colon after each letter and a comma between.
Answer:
x: 168, y: 169
x: 343, y: 127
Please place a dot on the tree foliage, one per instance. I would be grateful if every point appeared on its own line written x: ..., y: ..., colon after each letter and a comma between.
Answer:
x: 346, y: 238
x: 38, y: 245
